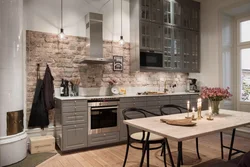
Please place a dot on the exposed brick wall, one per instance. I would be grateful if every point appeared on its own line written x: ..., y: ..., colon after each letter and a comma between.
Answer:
x: 64, y: 56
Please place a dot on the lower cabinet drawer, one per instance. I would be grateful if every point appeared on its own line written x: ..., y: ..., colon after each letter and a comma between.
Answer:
x: 139, y: 104
x: 75, y: 136
x: 74, y: 118
x: 103, y: 138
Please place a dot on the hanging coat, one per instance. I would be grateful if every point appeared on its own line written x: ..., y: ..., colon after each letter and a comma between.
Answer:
x: 48, y: 89
x: 39, y: 115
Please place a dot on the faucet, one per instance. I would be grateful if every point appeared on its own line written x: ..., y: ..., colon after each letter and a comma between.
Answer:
x: 165, y: 86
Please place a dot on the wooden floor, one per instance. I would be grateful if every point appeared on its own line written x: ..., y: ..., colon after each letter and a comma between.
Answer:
x: 113, y: 156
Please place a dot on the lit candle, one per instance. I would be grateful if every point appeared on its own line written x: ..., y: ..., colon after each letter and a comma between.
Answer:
x: 193, y: 112
x: 188, y: 105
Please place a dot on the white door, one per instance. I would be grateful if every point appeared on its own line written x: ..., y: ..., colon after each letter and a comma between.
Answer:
x: 243, y: 64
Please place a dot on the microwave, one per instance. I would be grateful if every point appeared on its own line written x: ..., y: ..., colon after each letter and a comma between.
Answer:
x: 151, y: 59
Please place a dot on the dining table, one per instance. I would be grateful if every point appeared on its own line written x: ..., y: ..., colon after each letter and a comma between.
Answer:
x: 225, y: 120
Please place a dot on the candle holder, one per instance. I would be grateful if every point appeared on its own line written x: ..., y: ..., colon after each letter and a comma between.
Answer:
x: 188, y: 117
x: 199, y: 113
x: 210, y: 114
x: 199, y: 109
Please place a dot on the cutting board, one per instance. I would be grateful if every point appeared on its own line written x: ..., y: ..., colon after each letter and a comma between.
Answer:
x: 179, y: 122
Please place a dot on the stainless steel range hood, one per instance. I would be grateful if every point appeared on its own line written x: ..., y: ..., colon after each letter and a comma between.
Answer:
x: 94, y: 46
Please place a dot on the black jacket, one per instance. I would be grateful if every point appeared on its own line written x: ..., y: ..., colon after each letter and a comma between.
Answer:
x: 48, y: 89
x: 39, y: 115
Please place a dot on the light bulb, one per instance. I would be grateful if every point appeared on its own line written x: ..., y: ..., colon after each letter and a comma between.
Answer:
x: 121, y: 40
x: 61, y: 35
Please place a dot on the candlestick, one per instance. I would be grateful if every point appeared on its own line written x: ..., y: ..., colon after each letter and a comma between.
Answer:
x: 193, y: 112
x: 210, y: 114
x: 199, y: 108
x: 188, y: 106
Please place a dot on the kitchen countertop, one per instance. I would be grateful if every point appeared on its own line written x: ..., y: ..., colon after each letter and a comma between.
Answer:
x: 118, y: 96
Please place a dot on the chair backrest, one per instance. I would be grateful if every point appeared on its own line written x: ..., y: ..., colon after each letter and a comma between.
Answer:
x: 169, y: 109
x: 133, y: 113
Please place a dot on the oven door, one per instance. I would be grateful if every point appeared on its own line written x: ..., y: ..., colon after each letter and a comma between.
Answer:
x: 103, y: 119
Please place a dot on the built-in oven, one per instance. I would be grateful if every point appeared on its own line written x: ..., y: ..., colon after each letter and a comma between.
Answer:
x: 151, y: 59
x: 103, y: 116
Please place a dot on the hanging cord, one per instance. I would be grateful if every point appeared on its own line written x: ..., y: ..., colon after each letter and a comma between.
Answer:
x: 121, y: 17
x: 38, y: 72
x: 61, y: 14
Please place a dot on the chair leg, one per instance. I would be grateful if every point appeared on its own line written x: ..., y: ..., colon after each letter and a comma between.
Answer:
x: 147, y: 155
x: 221, y: 145
x: 164, y: 153
x: 126, y: 156
x: 197, y: 148
x: 169, y: 153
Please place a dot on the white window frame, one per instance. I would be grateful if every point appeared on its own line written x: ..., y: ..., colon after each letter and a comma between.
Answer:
x: 240, y: 46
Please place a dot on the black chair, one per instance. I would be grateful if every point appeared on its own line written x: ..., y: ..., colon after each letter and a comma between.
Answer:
x: 173, y: 109
x: 140, y: 137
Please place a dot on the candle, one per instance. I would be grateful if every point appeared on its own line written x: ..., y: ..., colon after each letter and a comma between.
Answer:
x: 188, y: 106
x: 193, y: 112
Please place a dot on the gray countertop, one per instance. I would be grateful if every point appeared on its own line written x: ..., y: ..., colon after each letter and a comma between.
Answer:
x: 118, y: 96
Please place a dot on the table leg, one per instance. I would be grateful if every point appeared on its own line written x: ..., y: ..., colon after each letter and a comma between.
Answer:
x: 221, y: 145
x: 179, y: 159
x: 144, y: 149
x: 231, y: 145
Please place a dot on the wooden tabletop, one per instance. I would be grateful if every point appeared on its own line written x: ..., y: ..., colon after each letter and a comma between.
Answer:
x: 227, y: 119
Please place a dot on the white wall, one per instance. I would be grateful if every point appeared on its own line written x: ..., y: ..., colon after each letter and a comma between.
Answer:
x: 44, y: 16
x: 210, y: 41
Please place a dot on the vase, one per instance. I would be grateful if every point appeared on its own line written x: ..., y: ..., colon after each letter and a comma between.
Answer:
x: 215, y: 106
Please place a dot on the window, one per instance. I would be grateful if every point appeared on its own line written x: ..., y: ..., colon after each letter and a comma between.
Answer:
x: 245, y: 31
x: 245, y: 74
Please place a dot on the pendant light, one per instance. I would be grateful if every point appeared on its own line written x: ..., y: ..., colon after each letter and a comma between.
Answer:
x: 61, y: 35
x: 121, y: 37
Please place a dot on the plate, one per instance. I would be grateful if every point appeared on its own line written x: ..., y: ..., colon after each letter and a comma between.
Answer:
x: 115, y: 90
x: 179, y: 122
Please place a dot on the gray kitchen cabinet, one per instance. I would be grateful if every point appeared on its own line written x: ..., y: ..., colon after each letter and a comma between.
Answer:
x: 103, y: 138
x: 74, y: 136
x: 156, y: 11
x: 177, y: 13
x: 145, y: 10
x: 175, y: 36
x: 186, y: 51
x: 145, y: 40
x: 195, y: 52
x: 168, y: 47
x: 167, y: 12
x: 156, y: 37
x: 195, y: 16
x: 151, y: 10
x: 151, y: 36
x: 177, y: 50
x: 71, y: 124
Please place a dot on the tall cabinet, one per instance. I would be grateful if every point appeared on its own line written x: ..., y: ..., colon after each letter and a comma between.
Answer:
x: 168, y: 27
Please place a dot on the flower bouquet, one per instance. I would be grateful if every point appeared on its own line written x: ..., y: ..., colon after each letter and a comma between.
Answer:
x: 215, y: 95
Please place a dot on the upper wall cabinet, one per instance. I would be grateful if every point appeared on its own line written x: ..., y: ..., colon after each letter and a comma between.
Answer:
x: 167, y: 31
x: 151, y: 10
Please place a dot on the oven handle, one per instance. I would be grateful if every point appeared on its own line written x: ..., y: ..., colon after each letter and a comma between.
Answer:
x: 101, y: 108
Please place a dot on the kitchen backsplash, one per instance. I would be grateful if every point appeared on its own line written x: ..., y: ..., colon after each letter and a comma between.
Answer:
x: 64, y: 56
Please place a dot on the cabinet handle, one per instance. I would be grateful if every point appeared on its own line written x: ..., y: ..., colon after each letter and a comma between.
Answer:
x: 75, y: 126
x: 75, y: 101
